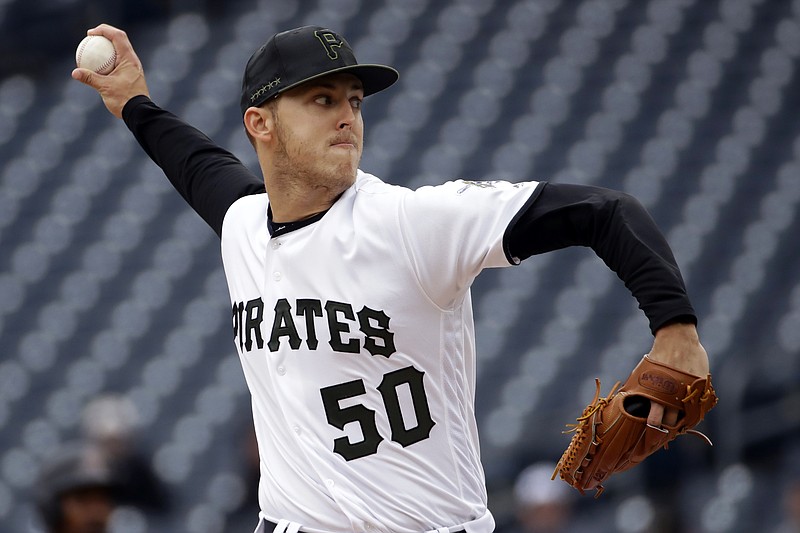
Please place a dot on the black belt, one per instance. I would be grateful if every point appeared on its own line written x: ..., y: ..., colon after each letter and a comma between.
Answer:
x: 269, y: 527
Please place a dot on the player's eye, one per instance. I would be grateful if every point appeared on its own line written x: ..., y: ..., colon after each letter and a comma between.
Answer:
x: 323, y: 99
x: 356, y: 102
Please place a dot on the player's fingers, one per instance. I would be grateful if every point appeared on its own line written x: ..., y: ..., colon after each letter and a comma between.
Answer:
x: 86, y: 76
x: 106, y: 30
x: 670, y: 417
x: 118, y: 38
x: 656, y: 415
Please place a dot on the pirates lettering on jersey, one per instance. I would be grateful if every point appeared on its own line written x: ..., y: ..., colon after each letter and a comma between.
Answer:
x: 298, y: 323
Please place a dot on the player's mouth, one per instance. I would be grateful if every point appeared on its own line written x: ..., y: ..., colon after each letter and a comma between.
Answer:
x: 344, y: 142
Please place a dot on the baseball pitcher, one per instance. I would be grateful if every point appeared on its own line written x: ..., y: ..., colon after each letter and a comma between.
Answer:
x: 350, y: 297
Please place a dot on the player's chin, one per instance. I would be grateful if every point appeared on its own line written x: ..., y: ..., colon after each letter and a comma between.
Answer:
x: 348, y: 176
x: 347, y: 168
x: 337, y: 178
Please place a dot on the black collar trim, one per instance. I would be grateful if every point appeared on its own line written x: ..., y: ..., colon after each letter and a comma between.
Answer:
x: 277, y: 229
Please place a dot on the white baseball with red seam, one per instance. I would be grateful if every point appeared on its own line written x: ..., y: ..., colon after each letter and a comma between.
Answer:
x: 96, y: 53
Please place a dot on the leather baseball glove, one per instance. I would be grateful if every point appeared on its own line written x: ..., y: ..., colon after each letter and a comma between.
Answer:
x: 612, y: 435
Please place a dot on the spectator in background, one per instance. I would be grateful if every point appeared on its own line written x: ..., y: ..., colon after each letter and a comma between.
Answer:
x: 790, y: 498
x: 541, y: 504
x: 110, y: 423
x: 241, y: 517
x: 75, y: 492
x: 791, y: 508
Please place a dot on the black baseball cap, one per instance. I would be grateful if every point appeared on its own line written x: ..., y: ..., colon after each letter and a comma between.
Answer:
x: 296, y: 56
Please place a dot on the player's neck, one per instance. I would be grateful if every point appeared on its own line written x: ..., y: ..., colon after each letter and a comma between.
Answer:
x: 287, y: 206
x: 297, y: 197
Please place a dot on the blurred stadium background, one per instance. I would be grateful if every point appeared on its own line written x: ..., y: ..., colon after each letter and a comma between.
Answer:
x: 108, y: 283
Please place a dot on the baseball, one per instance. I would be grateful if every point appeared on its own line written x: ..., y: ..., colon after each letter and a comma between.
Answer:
x: 96, y: 53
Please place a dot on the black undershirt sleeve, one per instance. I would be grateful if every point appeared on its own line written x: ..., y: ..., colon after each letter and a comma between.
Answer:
x: 208, y: 177
x: 619, y: 230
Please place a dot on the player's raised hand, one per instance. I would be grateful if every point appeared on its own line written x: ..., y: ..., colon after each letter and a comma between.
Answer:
x: 125, y: 81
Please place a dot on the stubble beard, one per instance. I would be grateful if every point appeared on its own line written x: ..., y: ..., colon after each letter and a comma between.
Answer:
x: 299, y: 168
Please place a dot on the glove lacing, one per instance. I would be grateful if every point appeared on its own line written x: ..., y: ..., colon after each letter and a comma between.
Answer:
x: 570, y: 460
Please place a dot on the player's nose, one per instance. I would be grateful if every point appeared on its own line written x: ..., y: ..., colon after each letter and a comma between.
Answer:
x: 347, y: 115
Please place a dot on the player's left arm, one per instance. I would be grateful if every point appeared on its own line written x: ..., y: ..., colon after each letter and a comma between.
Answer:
x: 623, y: 234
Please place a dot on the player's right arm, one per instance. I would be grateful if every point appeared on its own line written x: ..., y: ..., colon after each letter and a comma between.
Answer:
x: 208, y: 177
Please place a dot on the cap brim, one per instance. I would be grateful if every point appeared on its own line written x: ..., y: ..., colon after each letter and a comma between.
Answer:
x: 374, y: 78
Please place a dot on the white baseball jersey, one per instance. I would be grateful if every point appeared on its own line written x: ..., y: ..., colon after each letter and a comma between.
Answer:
x: 356, y: 337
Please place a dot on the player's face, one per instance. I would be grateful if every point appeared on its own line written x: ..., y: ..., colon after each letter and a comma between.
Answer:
x: 86, y: 511
x: 319, y: 132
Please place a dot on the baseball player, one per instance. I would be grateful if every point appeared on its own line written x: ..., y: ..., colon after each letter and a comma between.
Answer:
x: 350, y: 297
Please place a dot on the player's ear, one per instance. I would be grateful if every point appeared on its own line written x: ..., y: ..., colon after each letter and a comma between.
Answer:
x: 259, y: 123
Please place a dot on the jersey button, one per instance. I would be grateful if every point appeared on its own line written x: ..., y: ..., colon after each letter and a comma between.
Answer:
x: 297, y: 429
x: 276, y: 245
x: 282, y: 370
x: 276, y: 276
